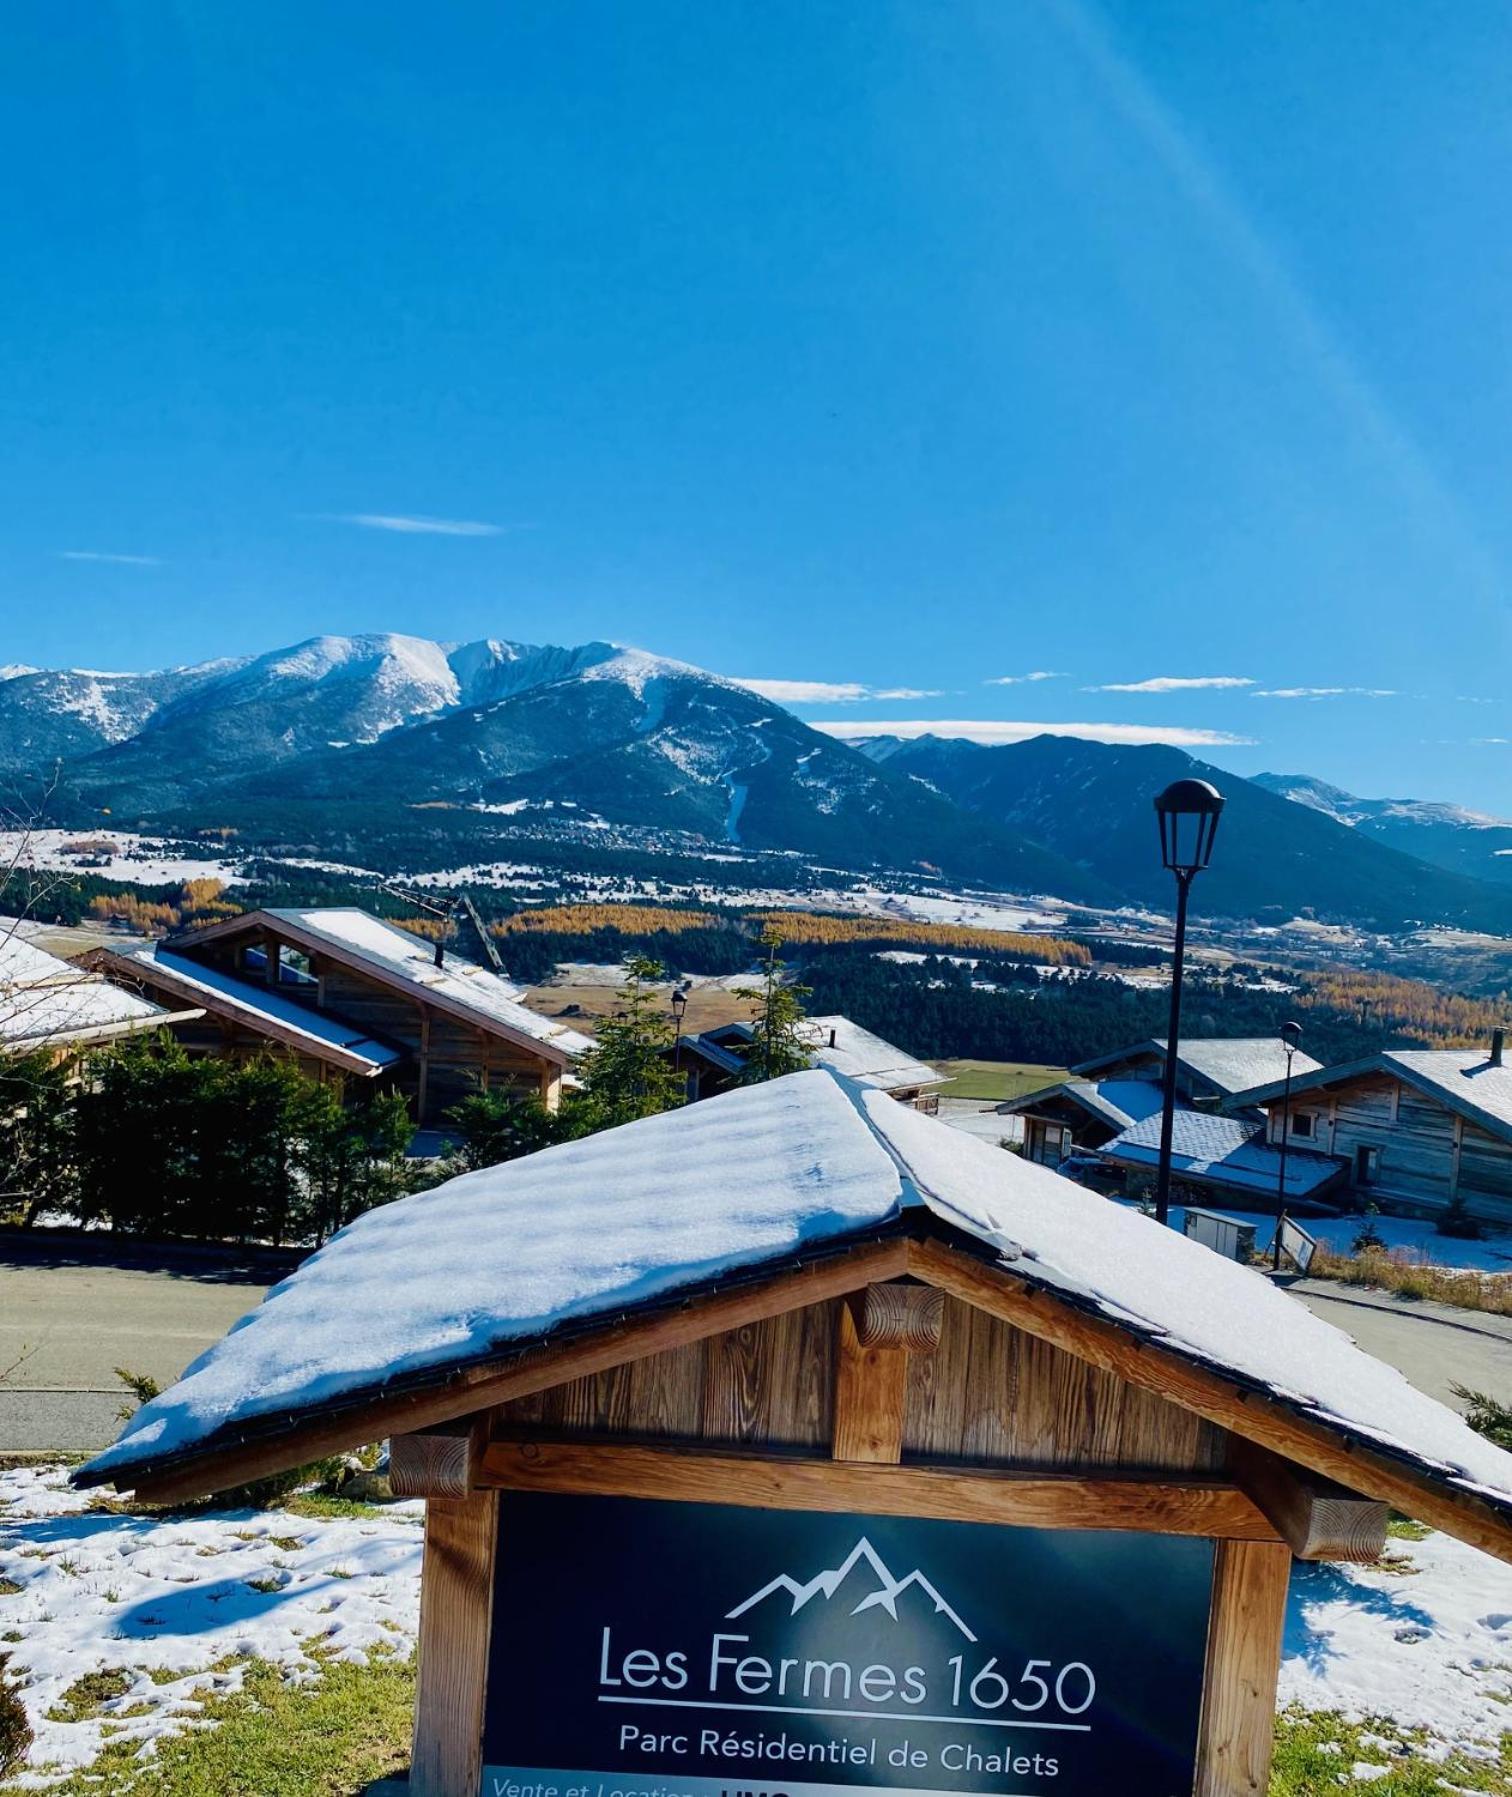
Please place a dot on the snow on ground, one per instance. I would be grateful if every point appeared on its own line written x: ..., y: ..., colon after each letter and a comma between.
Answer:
x: 145, y: 859
x: 166, y: 1601
x: 1426, y: 1643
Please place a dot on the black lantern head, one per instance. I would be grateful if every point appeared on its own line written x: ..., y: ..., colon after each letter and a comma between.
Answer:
x: 679, y: 1003
x: 1291, y: 1036
x: 1188, y: 812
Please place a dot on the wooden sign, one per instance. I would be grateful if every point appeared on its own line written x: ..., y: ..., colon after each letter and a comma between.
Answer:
x: 643, y: 1647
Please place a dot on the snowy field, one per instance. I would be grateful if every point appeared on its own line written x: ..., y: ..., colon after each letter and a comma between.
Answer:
x: 1425, y: 1640
x: 169, y: 1603
x: 1408, y: 1239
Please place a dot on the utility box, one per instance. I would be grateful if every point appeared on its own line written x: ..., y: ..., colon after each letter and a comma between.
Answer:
x: 1231, y: 1237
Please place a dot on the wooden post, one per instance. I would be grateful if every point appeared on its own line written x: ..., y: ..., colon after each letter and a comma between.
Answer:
x: 879, y: 1328
x: 551, y: 1086
x: 456, y: 1604
x: 1243, y: 1664
x: 422, y: 1092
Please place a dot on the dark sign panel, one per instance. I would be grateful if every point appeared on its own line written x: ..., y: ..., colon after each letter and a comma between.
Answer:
x: 647, y: 1649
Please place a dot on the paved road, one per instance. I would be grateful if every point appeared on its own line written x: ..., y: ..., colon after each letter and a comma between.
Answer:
x: 1436, y: 1345
x: 77, y: 1309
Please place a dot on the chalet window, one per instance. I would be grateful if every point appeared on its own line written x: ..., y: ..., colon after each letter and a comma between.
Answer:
x: 1302, y: 1124
x: 1367, y: 1165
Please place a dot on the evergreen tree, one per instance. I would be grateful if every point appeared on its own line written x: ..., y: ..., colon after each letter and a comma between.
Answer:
x: 777, y: 1042
x: 628, y: 1073
x: 38, y: 1161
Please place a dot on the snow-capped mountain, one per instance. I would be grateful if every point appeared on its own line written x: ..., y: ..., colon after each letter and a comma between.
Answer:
x: 881, y: 1591
x: 1451, y: 836
x: 375, y: 725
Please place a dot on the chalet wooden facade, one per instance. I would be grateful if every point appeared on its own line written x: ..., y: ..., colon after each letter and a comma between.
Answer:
x: 353, y: 999
x: 898, y: 1322
x: 1415, y: 1129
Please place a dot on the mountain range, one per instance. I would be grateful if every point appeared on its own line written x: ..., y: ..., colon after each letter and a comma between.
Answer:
x: 375, y: 728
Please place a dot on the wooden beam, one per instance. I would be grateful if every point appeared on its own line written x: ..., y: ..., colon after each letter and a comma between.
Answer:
x: 900, y: 1316
x: 456, y: 1605
x: 518, y: 1375
x: 422, y: 1092
x: 1243, y: 1663
x: 437, y: 1462
x: 1318, y: 1519
x: 871, y: 1393
x: 1162, y: 1505
x: 1272, y: 1422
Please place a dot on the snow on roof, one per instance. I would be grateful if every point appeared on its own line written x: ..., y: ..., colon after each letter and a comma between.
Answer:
x: 44, y: 999
x: 851, y: 1050
x: 1229, y: 1063
x: 1226, y: 1150
x: 257, y: 1005
x: 1463, y: 1078
x: 751, y: 1178
x: 1115, y: 1102
x: 398, y: 955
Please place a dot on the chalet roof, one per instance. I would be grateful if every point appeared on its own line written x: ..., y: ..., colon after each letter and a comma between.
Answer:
x: 399, y: 958
x: 1223, y: 1151
x: 1464, y: 1079
x: 1116, y: 1102
x: 1231, y: 1064
x: 256, y: 1007
x: 843, y: 1046
x: 595, y: 1232
x: 45, y: 1000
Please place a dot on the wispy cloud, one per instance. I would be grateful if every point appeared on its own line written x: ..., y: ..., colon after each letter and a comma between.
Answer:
x: 101, y: 555
x: 1173, y: 683
x: 1324, y: 692
x: 995, y: 730
x: 414, y: 526
x: 829, y: 692
x: 1023, y: 679
x: 1476, y: 742
x: 806, y: 692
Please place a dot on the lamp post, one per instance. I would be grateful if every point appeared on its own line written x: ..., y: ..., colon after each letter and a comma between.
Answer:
x: 1188, y: 811
x: 679, y: 1005
x: 1291, y: 1037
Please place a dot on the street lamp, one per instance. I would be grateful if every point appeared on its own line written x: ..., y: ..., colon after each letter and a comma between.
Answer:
x: 1188, y: 811
x: 1291, y: 1037
x: 679, y: 1005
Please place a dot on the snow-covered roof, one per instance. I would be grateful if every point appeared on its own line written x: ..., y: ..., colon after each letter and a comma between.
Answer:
x: 838, y: 1043
x: 397, y: 956
x: 1115, y: 1102
x: 1222, y: 1151
x: 1465, y: 1079
x: 45, y: 999
x: 1231, y: 1064
x: 847, y: 1048
x: 755, y: 1178
x: 258, y: 1007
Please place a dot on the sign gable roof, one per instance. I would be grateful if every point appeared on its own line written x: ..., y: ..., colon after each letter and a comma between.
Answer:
x: 606, y: 1233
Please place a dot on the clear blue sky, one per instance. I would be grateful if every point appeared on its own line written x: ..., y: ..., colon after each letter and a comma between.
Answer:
x: 890, y: 346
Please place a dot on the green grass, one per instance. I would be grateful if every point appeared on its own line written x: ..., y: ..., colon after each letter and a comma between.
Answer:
x: 996, y: 1080
x: 1316, y: 1749
x: 271, y: 1739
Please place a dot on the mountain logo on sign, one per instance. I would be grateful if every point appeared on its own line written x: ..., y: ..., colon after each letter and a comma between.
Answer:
x: 826, y: 1584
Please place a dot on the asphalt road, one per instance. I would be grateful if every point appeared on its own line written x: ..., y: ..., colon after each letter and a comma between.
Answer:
x: 72, y: 1310
x: 1437, y: 1346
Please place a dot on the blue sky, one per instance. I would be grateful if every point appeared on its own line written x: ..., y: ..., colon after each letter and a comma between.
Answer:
x: 892, y: 348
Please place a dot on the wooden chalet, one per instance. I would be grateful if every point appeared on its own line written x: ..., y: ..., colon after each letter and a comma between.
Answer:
x: 1411, y: 1129
x: 57, y: 1008
x: 803, y: 1307
x: 716, y: 1060
x: 352, y: 998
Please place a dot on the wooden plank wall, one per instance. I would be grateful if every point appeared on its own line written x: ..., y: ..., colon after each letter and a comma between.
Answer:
x: 990, y: 1396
